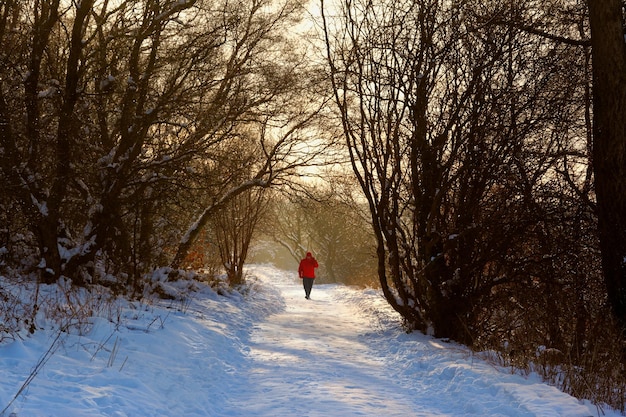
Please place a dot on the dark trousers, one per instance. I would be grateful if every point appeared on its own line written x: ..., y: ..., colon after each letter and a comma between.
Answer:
x: 308, y: 284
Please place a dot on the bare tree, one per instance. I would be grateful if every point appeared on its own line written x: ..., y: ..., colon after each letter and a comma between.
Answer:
x: 343, y: 241
x: 288, y: 225
x: 598, y: 25
x: 110, y: 130
x: 442, y: 114
x: 235, y: 226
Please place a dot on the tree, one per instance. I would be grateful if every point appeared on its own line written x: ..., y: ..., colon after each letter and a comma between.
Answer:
x: 606, y: 142
x: 40, y: 183
x: 288, y: 225
x: 454, y: 138
x: 234, y: 223
x: 234, y: 227
x: 609, y: 144
x: 341, y: 236
x: 117, y: 122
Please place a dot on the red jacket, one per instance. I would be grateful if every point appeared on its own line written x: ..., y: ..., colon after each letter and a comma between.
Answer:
x: 307, y: 266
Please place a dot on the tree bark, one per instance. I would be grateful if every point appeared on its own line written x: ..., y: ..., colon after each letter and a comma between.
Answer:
x: 609, y: 147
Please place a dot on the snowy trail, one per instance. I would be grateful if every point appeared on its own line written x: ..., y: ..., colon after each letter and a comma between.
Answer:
x: 309, y: 359
x: 332, y: 354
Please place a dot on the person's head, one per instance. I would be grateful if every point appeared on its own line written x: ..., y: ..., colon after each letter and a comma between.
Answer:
x: 309, y: 255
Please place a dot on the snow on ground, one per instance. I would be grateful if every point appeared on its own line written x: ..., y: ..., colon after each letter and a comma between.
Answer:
x: 269, y: 352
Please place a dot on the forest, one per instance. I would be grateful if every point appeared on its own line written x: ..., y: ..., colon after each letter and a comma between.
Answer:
x: 466, y: 157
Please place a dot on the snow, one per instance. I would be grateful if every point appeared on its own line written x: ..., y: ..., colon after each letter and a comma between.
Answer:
x: 43, y: 207
x: 107, y: 82
x: 265, y: 351
x: 48, y: 92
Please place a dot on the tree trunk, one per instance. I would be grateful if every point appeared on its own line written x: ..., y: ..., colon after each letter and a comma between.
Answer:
x: 49, y: 248
x: 194, y: 231
x: 609, y: 147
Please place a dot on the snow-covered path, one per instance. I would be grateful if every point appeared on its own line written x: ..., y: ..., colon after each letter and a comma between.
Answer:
x: 340, y: 354
x: 309, y: 359
x: 267, y: 353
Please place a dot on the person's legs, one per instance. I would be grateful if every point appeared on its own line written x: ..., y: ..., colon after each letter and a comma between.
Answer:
x: 308, y: 285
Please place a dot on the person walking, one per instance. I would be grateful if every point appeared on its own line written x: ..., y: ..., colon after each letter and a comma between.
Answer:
x: 306, y: 270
